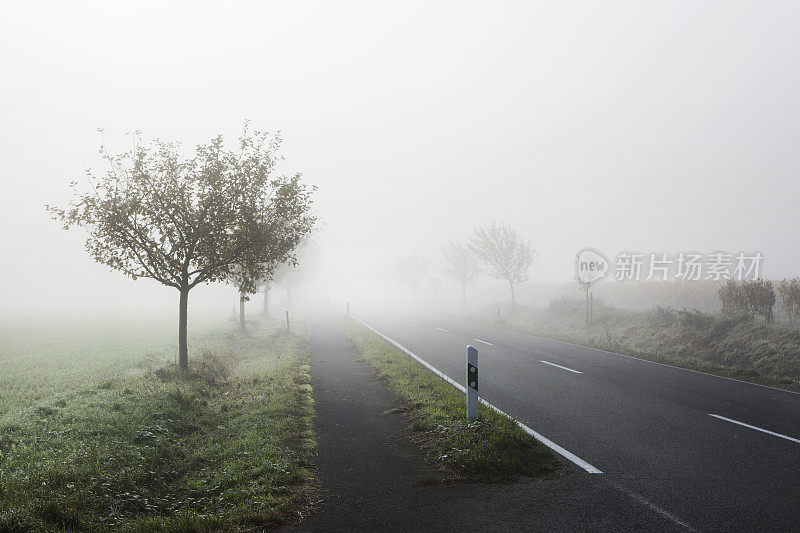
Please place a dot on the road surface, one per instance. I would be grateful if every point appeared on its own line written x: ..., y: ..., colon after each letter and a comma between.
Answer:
x: 373, y: 477
x: 707, y: 453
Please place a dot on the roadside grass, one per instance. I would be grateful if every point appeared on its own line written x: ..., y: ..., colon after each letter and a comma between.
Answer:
x: 223, y: 448
x: 492, y: 448
x: 738, y: 347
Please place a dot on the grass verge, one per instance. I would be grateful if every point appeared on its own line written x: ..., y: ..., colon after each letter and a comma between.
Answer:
x: 493, y: 448
x: 224, y: 448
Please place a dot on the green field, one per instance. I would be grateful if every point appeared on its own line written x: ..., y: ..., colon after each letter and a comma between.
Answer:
x: 43, y: 358
x: 100, y: 432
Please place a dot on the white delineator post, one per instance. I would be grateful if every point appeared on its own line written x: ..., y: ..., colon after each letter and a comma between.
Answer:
x: 472, y: 382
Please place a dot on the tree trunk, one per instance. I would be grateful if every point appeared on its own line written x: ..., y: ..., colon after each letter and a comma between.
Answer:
x: 464, y: 297
x: 183, y: 351
x: 288, y: 297
x: 266, y: 300
x: 513, y: 299
x: 241, y: 310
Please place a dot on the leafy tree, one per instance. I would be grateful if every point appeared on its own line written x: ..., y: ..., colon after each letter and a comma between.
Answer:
x: 244, y: 296
x: 270, y: 271
x: 789, y: 290
x: 748, y: 296
x: 760, y: 297
x: 460, y: 263
x: 505, y: 252
x: 732, y: 298
x: 213, y: 215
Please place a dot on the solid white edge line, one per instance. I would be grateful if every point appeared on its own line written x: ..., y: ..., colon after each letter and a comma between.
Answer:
x: 484, y: 342
x: 732, y: 421
x: 547, y: 442
x: 559, y: 366
x: 442, y: 329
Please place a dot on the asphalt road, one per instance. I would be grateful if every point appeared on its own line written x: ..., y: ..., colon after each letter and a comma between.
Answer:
x: 648, y: 427
x: 373, y: 477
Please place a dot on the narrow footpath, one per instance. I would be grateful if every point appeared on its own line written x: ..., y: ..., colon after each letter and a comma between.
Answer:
x: 374, y: 478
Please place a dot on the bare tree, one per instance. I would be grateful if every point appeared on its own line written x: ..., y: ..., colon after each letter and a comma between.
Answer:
x: 460, y: 263
x: 506, y: 254
x: 187, y: 220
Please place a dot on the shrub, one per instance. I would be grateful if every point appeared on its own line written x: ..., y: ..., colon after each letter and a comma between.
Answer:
x: 695, y: 319
x: 664, y: 316
x: 749, y: 296
x: 565, y: 305
x: 789, y: 291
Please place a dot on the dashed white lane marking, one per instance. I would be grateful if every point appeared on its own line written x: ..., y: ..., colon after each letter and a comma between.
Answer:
x: 416, y: 321
x: 646, y: 360
x: 559, y: 366
x: 732, y: 421
x: 666, y: 514
x: 442, y: 329
x: 547, y: 442
x: 484, y: 342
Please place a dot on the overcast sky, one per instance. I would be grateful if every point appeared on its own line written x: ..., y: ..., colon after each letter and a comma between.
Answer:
x: 659, y: 127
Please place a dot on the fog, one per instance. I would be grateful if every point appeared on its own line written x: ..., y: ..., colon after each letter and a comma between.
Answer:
x: 619, y: 126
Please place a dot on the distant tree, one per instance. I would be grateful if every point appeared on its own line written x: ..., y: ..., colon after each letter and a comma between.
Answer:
x: 281, y: 273
x: 748, y: 296
x: 244, y: 296
x: 732, y: 299
x: 214, y: 215
x: 760, y: 297
x: 789, y: 290
x: 507, y: 255
x: 266, y: 288
x: 276, y: 274
x: 460, y: 263
x: 234, y: 280
x: 292, y: 274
